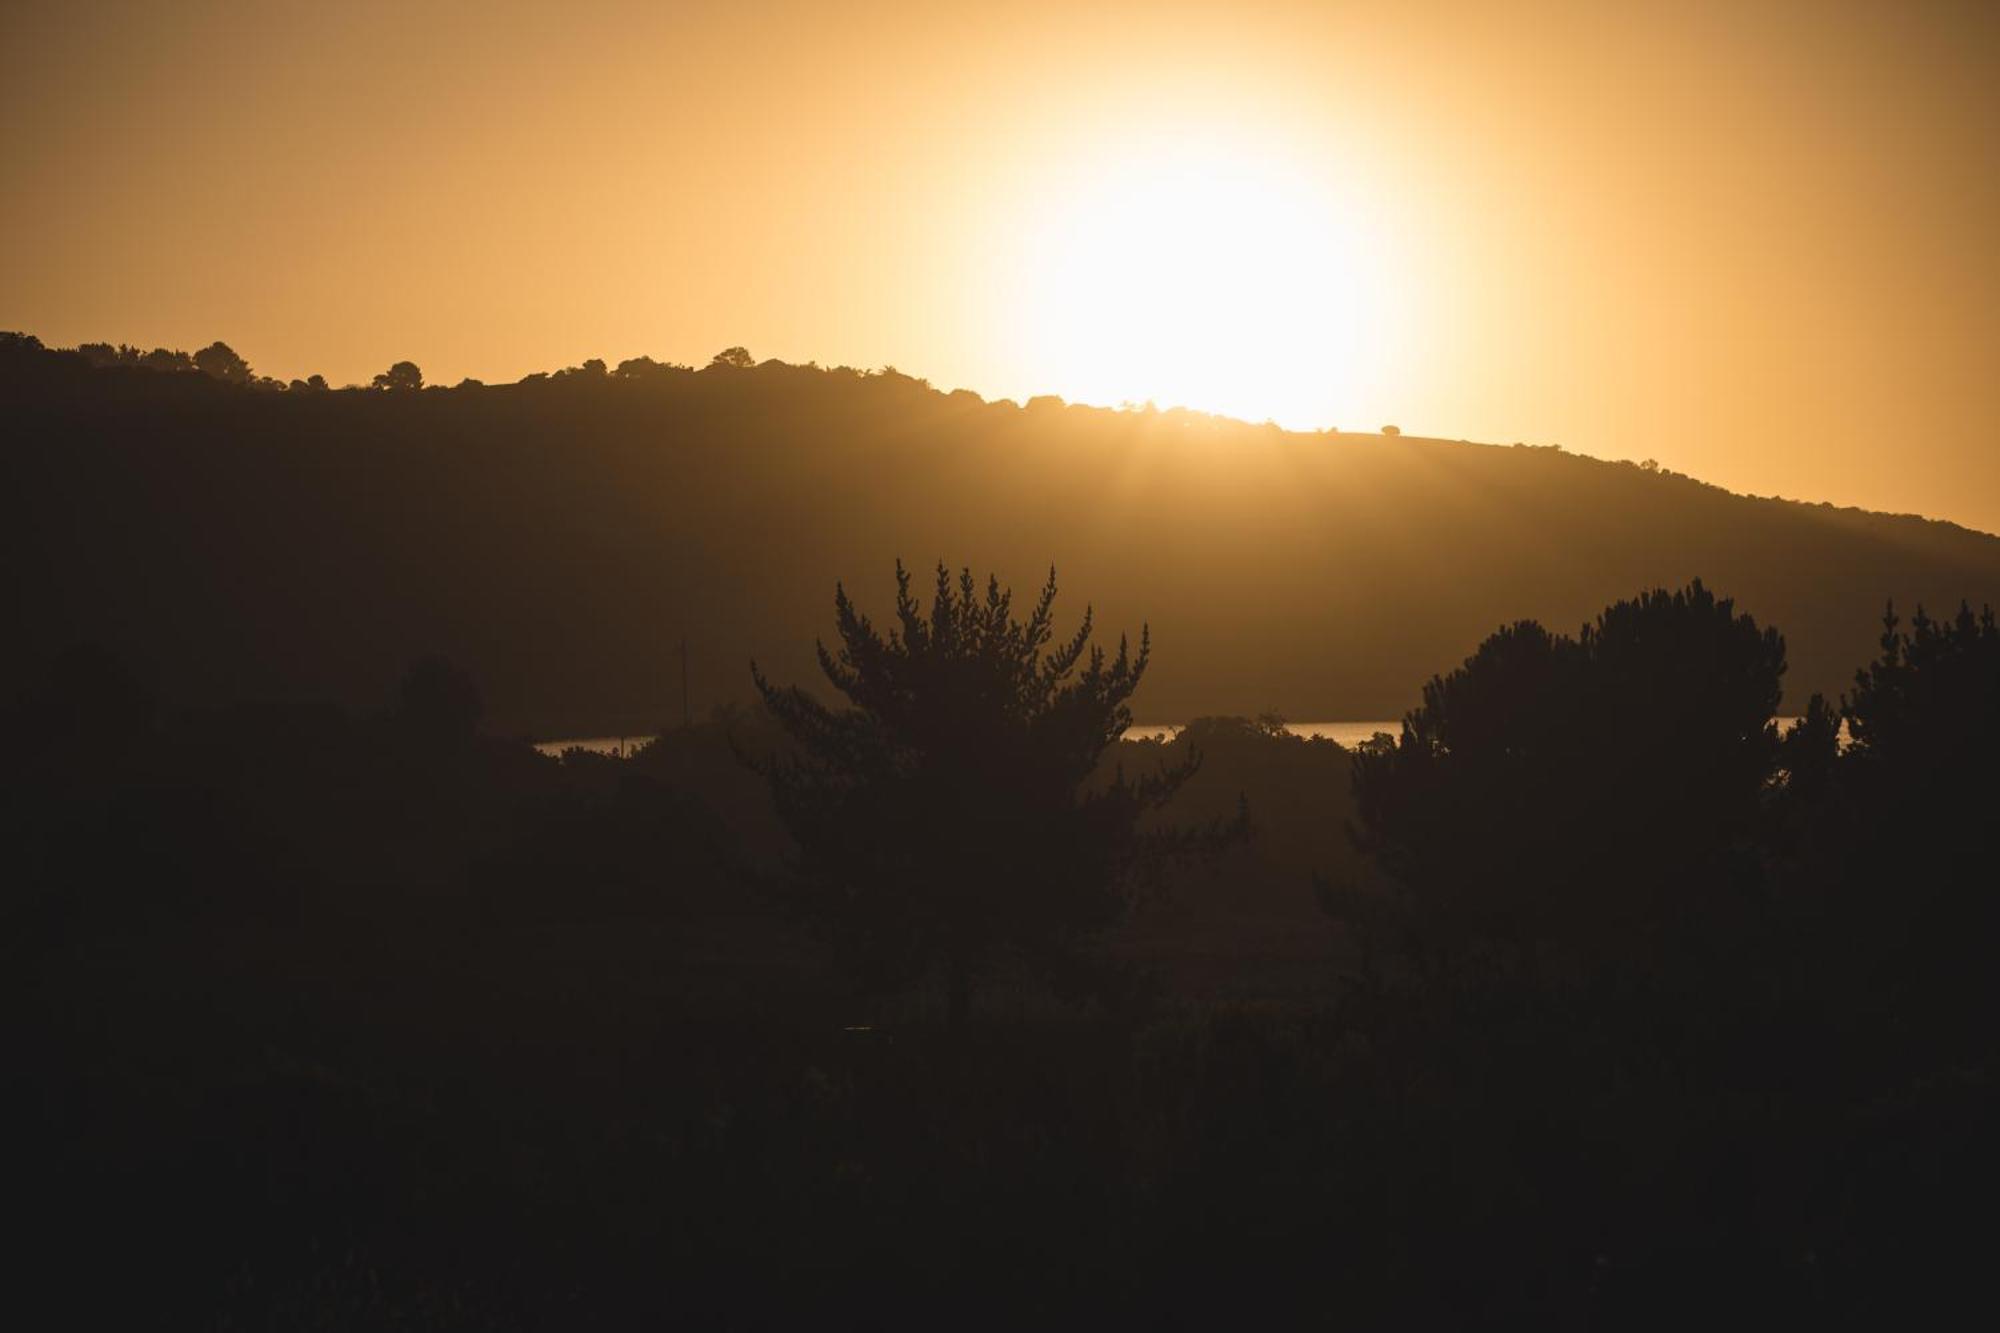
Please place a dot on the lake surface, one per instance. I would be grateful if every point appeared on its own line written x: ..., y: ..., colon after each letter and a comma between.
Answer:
x: 1349, y: 734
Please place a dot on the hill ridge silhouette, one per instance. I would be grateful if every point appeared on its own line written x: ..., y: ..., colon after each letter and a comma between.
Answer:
x: 562, y: 535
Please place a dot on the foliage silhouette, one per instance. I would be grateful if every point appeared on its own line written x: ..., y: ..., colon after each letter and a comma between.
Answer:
x: 349, y: 1012
x: 947, y: 813
x: 402, y: 375
x: 1930, y: 704
x: 314, y: 1022
x: 1903, y: 846
x: 1577, y: 789
x: 160, y: 359
x: 219, y: 361
x: 645, y: 367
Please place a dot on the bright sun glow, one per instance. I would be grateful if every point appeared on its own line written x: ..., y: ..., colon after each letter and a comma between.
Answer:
x: 1233, y: 282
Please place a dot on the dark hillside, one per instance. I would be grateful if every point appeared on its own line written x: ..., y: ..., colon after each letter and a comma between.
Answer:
x: 561, y: 536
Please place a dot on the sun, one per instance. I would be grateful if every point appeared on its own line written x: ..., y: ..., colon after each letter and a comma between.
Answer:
x: 1233, y: 279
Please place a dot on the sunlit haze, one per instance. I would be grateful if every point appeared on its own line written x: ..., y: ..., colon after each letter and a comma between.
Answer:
x: 1208, y: 266
x: 1749, y: 240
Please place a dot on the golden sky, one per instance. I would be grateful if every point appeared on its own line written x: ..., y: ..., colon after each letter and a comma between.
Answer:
x: 1752, y: 240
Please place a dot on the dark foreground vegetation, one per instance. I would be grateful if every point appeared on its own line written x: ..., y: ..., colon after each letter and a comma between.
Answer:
x: 1590, y: 1001
x: 561, y: 538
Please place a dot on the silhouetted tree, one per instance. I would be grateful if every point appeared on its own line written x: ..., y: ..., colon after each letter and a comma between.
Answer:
x: 402, y: 375
x: 1913, y: 821
x: 644, y: 367
x: 947, y: 814
x: 1931, y: 702
x: 733, y: 358
x: 1558, y: 788
x: 1808, y: 752
x: 162, y: 359
x: 219, y: 361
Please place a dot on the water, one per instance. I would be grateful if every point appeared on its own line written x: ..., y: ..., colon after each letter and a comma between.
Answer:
x: 1349, y: 734
x: 620, y: 746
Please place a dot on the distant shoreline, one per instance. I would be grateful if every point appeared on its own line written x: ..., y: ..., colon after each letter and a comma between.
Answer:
x: 1345, y: 734
x: 1348, y: 734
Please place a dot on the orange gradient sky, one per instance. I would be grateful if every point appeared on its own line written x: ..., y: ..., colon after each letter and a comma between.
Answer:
x: 1751, y: 240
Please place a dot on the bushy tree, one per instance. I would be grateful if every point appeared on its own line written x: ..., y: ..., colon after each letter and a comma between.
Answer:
x: 644, y: 367
x: 1915, y: 809
x: 732, y: 358
x: 162, y: 359
x: 1929, y: 706
x: 219, y: 361
x: 402, y: 375
x: 1582, y: 788
x: 1881, y: 847
x: 948, y: 813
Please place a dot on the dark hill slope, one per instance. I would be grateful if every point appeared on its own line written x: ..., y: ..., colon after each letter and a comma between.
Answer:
x: 559, y: 537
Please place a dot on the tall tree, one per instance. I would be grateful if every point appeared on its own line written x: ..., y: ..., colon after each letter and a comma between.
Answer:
x: 953, y: 811
x: 1915, y: 820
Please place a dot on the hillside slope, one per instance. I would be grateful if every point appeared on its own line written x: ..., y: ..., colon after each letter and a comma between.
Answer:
x: 560, y: 537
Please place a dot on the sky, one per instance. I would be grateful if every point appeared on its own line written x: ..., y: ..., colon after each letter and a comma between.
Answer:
x: 1750, y: 240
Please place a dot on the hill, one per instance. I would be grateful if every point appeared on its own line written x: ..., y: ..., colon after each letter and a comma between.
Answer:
x: 560, y: 537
